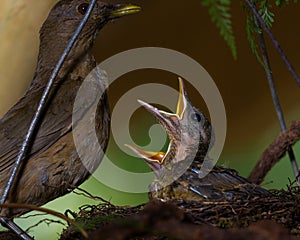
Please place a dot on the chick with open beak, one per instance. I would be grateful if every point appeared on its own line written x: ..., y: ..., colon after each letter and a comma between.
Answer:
x: 177, y: 170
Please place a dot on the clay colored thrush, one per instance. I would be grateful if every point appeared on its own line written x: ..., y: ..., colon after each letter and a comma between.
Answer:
x: 177, y: 170
x: 53, y: 163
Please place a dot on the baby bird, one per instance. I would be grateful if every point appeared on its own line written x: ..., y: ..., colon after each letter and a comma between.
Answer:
x: 178, y: 171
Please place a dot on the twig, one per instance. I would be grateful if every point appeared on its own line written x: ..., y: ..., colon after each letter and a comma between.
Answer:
x: 45, y: 210
x: 87, y: 194
x: 274, y: 95
x: 47, y: 221
x: 274, y: 41
x: 274, y: 152
x: 32, y: 215
x: 41, y: 107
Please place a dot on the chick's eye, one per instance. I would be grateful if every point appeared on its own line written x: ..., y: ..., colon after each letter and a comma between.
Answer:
x: 82, y: 8
x: 196, y: 117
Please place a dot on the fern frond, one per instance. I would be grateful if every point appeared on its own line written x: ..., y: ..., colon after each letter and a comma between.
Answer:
x: 265, y: 12
x: 282, y: 3
x: 219, y: 11
x: 252, y: 30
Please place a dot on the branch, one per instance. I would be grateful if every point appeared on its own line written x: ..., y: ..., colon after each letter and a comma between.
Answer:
x: 275, y: 152
x: 45, y: 210
x: 269, y: 75
x: 274, y: 41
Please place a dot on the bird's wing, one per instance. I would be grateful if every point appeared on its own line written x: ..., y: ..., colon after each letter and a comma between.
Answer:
x: 15, y: 123
x: 222, y: 183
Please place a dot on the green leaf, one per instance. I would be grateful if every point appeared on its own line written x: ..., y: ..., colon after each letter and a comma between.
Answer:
x: 219, y: 12
x: 265, y: 12
x: 252, y: 29
x: 281, y: 3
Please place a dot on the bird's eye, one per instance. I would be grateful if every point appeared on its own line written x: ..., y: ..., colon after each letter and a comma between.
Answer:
x: 82, y: 8
x: 196, y: 117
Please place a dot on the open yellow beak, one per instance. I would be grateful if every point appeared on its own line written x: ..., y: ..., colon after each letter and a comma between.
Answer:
x: 182, y: 99
x: 168, y: 122
x: 148, y: 155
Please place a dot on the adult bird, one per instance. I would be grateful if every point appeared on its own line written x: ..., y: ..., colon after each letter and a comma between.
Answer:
x: 178, y: 170
x: 53, y: 164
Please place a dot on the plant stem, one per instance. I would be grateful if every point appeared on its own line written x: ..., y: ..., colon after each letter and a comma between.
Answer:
x: 274, y: 41
x: 275, y: 98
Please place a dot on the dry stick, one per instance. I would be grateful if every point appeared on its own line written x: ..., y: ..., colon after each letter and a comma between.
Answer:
x: 274, y: 152
x: 45, y: 210
x: 274, y: 41
x: 46, y: 221
x: 274, y: 94
x: 87, y: 194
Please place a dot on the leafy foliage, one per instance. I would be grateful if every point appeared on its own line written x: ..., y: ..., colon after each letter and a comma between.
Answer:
x: 252, y: 29
x: 265, y: 10
x: 282, y: 3
x: 219, y: 11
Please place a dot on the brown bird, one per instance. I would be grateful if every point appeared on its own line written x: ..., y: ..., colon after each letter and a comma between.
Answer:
x: 53, y: 164
x: 177, y: 171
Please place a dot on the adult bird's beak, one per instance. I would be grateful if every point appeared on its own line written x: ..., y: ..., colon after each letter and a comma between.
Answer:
x: 170, y: 122
x: 119, y: 10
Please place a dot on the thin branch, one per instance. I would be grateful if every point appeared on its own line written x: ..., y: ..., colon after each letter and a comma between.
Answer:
x: 46, y: 221
x: 45, y: 210
x: 275, y: 152
x: 274, y: 41
x: 268, y: 70
x: 87, y: 194
x: 32, y: 215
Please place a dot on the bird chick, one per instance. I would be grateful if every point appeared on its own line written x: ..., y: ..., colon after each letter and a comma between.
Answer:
x: 178, y: 171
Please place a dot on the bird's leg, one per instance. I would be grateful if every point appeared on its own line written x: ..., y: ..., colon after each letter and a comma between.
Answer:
x: 8, y: 223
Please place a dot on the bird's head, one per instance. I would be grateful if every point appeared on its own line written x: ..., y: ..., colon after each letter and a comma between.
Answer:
x: 189, y: 132
x: 65, y: 17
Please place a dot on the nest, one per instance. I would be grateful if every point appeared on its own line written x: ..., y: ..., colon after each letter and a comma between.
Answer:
x: 273, y: 217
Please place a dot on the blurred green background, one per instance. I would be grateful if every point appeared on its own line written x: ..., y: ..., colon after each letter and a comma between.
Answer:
x: 185, y: 27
